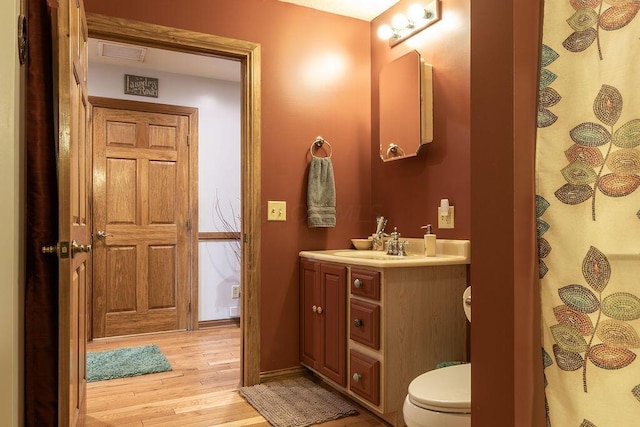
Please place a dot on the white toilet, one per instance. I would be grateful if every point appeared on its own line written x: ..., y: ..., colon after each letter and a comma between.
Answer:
x: 442, y: 397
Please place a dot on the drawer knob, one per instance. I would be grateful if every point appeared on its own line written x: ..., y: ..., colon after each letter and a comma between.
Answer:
x: 357, y: 323
x: 357, y: 377
x: 357, y: 283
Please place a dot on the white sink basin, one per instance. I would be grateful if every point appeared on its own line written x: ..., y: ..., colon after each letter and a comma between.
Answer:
x: 448, y: 252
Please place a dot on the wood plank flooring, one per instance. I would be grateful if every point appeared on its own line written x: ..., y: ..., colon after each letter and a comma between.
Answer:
x: 201, y: 390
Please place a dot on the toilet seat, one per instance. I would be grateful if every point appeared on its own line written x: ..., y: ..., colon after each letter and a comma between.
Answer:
x: 443, y: 390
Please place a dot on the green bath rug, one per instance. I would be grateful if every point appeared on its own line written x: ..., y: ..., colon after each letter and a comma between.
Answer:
x: 125, y: 362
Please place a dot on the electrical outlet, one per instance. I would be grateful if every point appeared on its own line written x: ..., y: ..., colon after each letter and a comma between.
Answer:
x: 234, y: 311
x: 446, y: 221
x: 235, y: 291
x: 276, y: 211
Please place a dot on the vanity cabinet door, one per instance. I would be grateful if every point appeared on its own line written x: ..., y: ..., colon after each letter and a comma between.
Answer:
x: 323, y: 313
x: 333, y: 323
x: 309, y: 319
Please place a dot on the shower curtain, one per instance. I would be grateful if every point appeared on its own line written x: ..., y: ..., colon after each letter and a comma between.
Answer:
x: 588, y: 211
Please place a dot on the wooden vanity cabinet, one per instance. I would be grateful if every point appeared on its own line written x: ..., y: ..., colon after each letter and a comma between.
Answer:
x: 323, y: 321
x: 398, y: 323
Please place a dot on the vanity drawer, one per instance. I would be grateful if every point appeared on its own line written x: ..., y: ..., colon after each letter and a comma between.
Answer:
x: 365, y: 283
x: 365, y: 323
x: 365, y: 377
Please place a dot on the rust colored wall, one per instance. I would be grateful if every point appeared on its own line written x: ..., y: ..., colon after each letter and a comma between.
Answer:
x: 315, y: 81
x: 408, y: 191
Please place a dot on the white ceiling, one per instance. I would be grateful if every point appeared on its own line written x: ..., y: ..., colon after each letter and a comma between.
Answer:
x: 217, y: 68
x: 167, y: 61
x: 360, y: 9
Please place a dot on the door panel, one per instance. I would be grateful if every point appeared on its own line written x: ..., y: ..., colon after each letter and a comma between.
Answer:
x: 74, y: 154
x: 141, y: 203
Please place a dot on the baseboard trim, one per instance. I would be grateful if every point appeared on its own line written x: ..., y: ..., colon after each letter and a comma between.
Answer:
x: 219, y: 323
x: 282, y: 373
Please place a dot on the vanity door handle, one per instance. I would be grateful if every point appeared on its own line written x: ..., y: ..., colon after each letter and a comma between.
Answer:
x: 357, y: 283
x: 357, y: 323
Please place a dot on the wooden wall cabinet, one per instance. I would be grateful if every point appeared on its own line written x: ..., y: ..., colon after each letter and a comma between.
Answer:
x: 401, y: 322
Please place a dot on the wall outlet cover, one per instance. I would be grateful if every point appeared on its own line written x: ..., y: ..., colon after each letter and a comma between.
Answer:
x: 446, y: 221
x: 235, y: 291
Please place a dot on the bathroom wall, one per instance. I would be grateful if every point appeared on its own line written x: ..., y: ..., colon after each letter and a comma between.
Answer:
x: 408, y: 191
x: 315, y: 81
x: 12, y: 257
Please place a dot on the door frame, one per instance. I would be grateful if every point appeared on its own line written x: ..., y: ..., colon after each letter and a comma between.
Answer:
x: 248, y: 54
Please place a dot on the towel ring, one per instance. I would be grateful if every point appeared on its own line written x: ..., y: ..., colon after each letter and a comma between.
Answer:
x: 319, y: 142
x: 394, y: 149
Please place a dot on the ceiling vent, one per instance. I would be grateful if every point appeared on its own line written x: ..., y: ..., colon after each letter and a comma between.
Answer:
x: 121, y: 51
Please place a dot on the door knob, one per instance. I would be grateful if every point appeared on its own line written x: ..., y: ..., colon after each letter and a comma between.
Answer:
x: 101, y: 234
x: 77, y: 248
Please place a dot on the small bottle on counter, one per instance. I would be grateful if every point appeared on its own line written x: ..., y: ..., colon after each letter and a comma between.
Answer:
x: 429, y: 241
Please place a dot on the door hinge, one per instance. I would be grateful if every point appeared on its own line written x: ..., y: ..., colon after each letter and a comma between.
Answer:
x: 188, y: 140
x: 23, y: 37
x: 188, y: 225
x: 246, y: 238
x: 189, y: 308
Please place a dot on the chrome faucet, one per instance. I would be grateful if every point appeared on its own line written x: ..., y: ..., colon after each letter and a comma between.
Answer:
x: 392, y: 245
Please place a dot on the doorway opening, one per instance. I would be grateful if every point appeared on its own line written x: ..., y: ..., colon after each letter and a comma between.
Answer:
x: 248, y: 55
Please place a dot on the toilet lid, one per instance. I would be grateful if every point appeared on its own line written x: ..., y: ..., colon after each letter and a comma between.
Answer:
x: 444, y: 390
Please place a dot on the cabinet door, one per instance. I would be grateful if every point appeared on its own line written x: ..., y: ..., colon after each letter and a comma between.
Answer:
x: 334, y: 324
x: 309, y: 319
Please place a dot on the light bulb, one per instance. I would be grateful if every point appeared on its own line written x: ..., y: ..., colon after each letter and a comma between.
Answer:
x: 399, y: 21
x: 416, y: 12
x: 385, y: 32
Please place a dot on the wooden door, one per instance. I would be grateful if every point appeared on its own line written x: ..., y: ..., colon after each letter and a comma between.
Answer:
x: 70, y: 53
x: 141, y: 221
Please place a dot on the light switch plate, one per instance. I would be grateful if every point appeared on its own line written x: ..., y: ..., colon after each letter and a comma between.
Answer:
x: 276, y: 211
x: 446, y: 221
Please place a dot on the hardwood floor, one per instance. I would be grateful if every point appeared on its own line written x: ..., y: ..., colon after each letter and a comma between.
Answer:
x: 201, y: 390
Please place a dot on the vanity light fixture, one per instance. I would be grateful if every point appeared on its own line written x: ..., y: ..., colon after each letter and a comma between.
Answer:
x: 418, y: 17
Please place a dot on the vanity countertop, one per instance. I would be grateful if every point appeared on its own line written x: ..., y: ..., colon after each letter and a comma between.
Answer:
x: 448, y: 252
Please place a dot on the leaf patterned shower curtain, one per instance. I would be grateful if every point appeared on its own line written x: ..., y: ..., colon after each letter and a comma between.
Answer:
x: 588, y: 211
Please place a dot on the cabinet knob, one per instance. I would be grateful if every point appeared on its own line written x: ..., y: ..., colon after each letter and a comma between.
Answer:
x: 319, y: 310
x: 357, y: 377
x: 314, y: 309
x: 357, y: 323
x: 357, y: 283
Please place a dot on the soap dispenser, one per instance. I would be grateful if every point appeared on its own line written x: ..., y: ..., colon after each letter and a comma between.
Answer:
x: 429, y: 241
